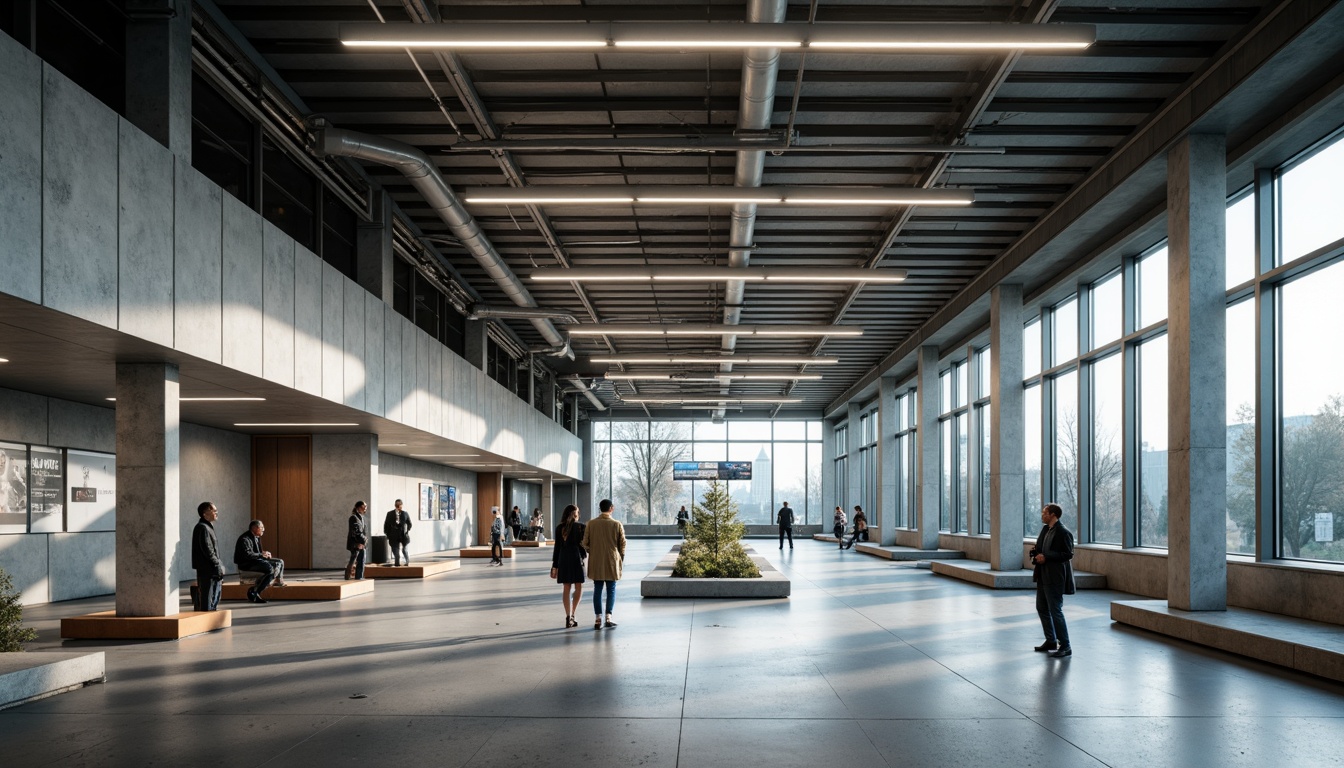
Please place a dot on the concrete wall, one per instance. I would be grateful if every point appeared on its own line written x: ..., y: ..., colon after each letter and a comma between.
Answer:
x: 400, y: 478
x: 345, y: 470
x: 216, y: 466
x: 101, y: 222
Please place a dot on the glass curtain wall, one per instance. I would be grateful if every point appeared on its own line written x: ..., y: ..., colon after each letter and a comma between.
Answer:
x: 632, y: 465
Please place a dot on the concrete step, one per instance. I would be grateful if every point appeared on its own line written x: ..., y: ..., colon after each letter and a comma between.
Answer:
x: 909, y: 553
x: 1307, y: 646
x: 978, y: 572
x: 27, y: 677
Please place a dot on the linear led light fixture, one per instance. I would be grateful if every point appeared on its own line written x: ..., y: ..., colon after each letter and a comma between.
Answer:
x: 673, y: 377
x: 713, y: 274
x: 949, y: 38
x: 713, y: 399
x: 605, y: 194
x: 296, y: 424
x: 709, y: 329
x: 448, y: 455
x: 212, y: 399
x: 646, y: 359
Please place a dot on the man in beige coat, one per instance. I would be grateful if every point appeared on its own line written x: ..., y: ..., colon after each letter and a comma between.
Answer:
x: 604, y: 540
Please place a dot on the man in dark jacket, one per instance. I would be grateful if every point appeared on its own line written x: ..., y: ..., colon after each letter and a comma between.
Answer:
x: 397, y: 528
x: 249, y: 556
x: 1053, y: 574
x: 205, y: 559
x: 356, y: 536
x: 515, y: 522
x: 785, y: 520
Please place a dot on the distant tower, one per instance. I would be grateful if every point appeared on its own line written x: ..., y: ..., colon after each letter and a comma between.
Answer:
x: 760, y: 489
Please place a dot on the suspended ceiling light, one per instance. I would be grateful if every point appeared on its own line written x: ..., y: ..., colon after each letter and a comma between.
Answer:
x: 646, y: 359
x: 709, y: 329
x: 678, y: 36
x: 715, y: 377
x: 606, y: 194
x: 678, y: 400
x: 212, y: 399
x: 713, y: 274
x: 297, y: 424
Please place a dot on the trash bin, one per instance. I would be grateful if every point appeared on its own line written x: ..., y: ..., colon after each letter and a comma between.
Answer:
x: 380, y: 553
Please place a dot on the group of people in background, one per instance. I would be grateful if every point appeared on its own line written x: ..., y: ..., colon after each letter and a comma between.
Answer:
x: 840, y: 522
x: 248, y: 555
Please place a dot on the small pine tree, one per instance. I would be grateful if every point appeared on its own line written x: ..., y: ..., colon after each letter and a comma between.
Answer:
x: 12, y: 632
x: 713, y: 545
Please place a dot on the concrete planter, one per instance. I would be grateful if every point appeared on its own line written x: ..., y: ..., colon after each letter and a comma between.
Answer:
x: 661, y: 583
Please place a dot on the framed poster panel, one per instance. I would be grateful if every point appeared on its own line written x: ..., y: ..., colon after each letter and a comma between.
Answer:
x: 452, y: 502
x: 46, y: 489
x: 443, y: 491
x: 427, y: 501
x: 13, y: 488
x: 91, y: 491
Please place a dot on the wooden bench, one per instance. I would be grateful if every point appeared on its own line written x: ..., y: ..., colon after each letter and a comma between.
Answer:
x: 416, y: 571
x: 303, y: 590
x: 482, y: 550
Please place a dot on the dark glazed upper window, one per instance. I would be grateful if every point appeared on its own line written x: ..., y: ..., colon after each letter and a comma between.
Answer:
x: 222, y: 141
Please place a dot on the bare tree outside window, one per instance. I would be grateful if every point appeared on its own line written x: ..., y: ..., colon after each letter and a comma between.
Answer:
x: 643, y: 469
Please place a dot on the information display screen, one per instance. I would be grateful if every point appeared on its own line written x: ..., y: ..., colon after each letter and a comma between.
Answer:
x: 711, y: 470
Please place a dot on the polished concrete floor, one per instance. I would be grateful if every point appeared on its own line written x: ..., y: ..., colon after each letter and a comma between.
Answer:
x: 870, y: 663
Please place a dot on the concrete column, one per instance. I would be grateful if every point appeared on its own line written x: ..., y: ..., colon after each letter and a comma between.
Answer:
x: 476, y: 343
x: 548, y: 504
x: 584, y: 495
x: 158, y: 71
x: 548, y: 395
x: 148, y: 498
x: 854, y: 484
x: 820, y: 509
x: 1007, y: 424
x: 373, y: 250
x: 345, y: 470
x: 887, y: 489
x: 1196, y: 369
x: 927, y: 496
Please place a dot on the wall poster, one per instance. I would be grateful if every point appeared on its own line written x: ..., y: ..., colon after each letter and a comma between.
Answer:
x: 91, y: 480
x: 447, y: 502
x: 452, y: 502
x: 13, y: 488
x: 46, y: 489
x: 427, y: 501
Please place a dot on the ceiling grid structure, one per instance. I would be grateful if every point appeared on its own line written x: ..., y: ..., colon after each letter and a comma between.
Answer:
x: 1018, y: 128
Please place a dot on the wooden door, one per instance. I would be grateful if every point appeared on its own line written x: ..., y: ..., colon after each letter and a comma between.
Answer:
x: 489, y: 493
x: 282, y: 496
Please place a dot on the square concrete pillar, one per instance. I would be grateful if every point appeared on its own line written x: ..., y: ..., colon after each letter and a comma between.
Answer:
x: 158, y: 71
x: 548, y: 505
x: 1007, y: 419
x: 1196, y: 370
x: 373, y: 250
x: 345, y: 470
x: 854, y: 466
x: 927, y: 496
x: 884, y: 512
x: 148, y: 503
x: 819, y: 510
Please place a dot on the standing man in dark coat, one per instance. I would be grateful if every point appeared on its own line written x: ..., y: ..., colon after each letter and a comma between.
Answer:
x: 785, y: 520
x: 205, y: 559
x: 515, y: 522
x: 249, y: 556
x: 356, y: 536
x: 397, y: 528
x: 1053, y: 574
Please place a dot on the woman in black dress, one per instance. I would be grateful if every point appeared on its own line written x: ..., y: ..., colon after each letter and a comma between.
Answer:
x: 567, y: 561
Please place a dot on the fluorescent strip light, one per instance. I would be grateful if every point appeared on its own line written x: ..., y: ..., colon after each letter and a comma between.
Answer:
x: 695, y: 35
x: 448, y: 455
x: 636, y: 359
x: 707, y: 329
x: 672, y: 377
x: 593, y: 194
x: 296, y: 424
x: 712, y: 399
x: 213, y: 399
x: 711, y: 274
x: 4, y: 360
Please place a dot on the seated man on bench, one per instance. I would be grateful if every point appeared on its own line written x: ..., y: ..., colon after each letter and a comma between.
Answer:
x: 249, y: 556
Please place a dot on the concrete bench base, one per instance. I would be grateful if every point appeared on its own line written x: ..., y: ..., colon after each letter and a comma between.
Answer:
x: 416, y: 571
x: 107, y: 625
x: 1306, y: 646
x: 482, y: 550
x: 904, y: 554
x: 305, y: 590
x: 978, y: 572
x: 661, y: 583
x: 26, y: 677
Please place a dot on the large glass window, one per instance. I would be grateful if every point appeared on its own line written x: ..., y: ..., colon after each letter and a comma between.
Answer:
x: 1065, y: 328
x: 1152, y: 289
x: 1107, y: 305
x: 1153, y: 442
x: 1309, y: 211
x: 1032, y: 496
x: 1066, y: 443
x: 1310, y: 421
x: 1241, y: 514
x: 1108, y: 389
x: 1241, y: 241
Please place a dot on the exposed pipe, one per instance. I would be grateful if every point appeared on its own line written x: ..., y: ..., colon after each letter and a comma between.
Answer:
x: 760, y: 72
x: 587, y: 392
x: 483, y: 311
x: 425, y: 177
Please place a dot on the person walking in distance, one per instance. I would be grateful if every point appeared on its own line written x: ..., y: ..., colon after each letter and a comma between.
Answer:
x: 683, y: 520
x: 356, y: 537
x: 567, y: 561
x: 397, y: 528
x: 497, y: 539
x: 1053, y: 573
x: 838, y: 523
x: 785, y: 520
x: 604, y: 541
x: 205, y: 559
